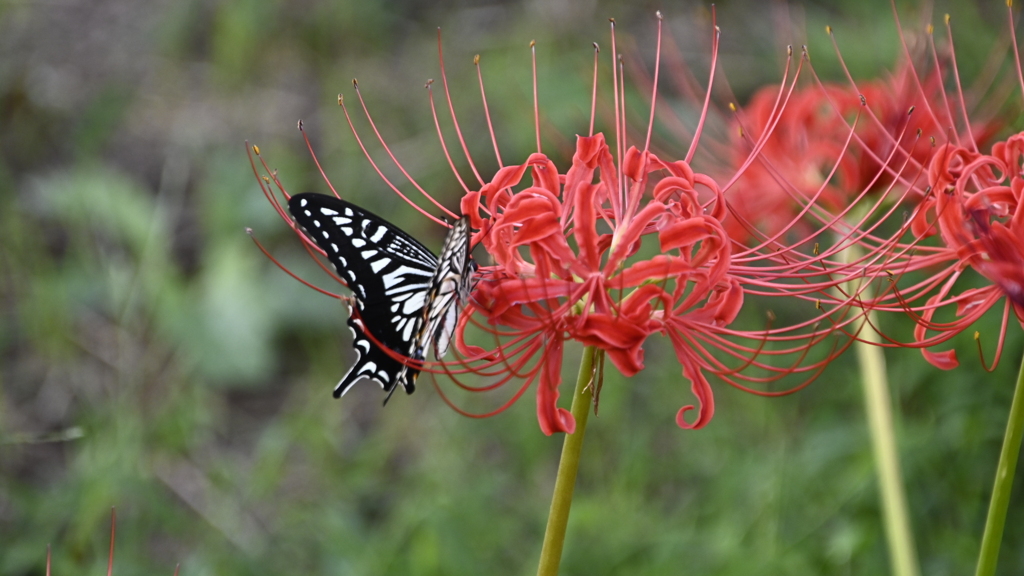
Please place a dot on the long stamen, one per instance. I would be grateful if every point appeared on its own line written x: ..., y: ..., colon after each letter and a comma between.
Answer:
x: 264, y: 184
x: 536, y: 105
x: 616, y: 104
x: 1016, y: 50
x: 707, y: 94
x: 451, y: 109
x: 316, y: 160
x: 289, y: 272
x: 373, y: 125
x: 959, y: 88
x: 440, y: 136
x: 784, y: 96
x: 593, y: 92
x: 654, y: 88
x: 882, y: 128
x: 487, y: 112
x: 376, y: 168
x: 910, y: 64
x: 622, y: 130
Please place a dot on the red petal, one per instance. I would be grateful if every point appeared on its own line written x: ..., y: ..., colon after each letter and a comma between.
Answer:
x: 550, y: 417
x: 683, y: 233
x: 631, y: 234
x: 700, y: 388
x: 585, y: 230
x: 944, y: 360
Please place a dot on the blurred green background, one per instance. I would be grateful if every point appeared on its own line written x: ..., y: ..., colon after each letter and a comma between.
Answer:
x: 153, y: 360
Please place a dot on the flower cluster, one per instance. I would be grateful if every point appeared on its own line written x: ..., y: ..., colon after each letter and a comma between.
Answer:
x: 974, y: 207
x: 609, y: 290
x: 627, y: 243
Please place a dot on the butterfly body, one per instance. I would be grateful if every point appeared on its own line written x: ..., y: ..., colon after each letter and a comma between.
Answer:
x: 405, y: 297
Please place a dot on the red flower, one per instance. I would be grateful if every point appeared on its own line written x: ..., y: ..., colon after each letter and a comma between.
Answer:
x: 975, y: 206
x: 602, y: 292
x: 830, y: 144
x: 969, y: 202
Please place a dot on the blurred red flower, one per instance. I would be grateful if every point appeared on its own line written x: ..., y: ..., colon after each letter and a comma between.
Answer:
x: 975, y: 207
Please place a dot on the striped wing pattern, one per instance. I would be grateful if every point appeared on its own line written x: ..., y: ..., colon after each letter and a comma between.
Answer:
x: 448, y: 292
x: 394, y: 281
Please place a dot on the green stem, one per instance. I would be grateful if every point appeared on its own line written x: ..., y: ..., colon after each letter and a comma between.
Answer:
x: 877, y: 405
x: 1004, y: 482
x: 877, y: 399
x: 565, y: 481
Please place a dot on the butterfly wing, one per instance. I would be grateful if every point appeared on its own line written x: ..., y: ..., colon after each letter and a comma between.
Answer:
x: 390, y: 275
x: 449, y: 290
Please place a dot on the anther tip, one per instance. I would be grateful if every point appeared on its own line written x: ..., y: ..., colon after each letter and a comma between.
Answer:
x: 946, y: 18
x: 476, y: 59
x: 863, y: 100
x: 977, y: 335
x: 248, y: 231
x: 657, y: 14
x: 911, y: 111
x: 355, y: 84
x: 341, y: 100
x: 430, y: 82
x: 596, y: 47
x: 300, y: 125
x: 256, y: 149
x: 930, y: 29
x: 828, y: 30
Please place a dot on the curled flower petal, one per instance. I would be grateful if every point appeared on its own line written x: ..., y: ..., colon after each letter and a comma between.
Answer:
x: 552, y: 418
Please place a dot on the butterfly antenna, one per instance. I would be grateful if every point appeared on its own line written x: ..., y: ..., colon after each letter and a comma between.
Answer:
x: 390, y: 392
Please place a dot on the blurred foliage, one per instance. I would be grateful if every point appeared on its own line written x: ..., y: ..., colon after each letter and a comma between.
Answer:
x: 152, y: 359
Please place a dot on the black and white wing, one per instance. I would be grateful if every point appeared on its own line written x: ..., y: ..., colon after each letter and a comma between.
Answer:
x: 449, y: 290
x: 390, y: 275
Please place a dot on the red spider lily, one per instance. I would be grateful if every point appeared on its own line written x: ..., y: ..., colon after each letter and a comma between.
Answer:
x: 623, y: 244
x: 591, y: 293
x: 811, y: 133
x: 975, y: 207
x: 898, y: 115
x: 964, y: 198
x: 571, y: 262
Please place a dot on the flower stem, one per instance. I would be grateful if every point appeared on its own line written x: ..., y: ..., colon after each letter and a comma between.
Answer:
x: 1004, y: 482
x: 877, y: 401
x: 565, y: 481
x: 877, y: 404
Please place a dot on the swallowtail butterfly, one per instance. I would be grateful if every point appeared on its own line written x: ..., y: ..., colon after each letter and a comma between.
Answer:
x: 406, y: 298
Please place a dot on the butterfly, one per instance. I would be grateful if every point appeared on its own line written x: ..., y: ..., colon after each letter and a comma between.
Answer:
x: 405, y: 297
